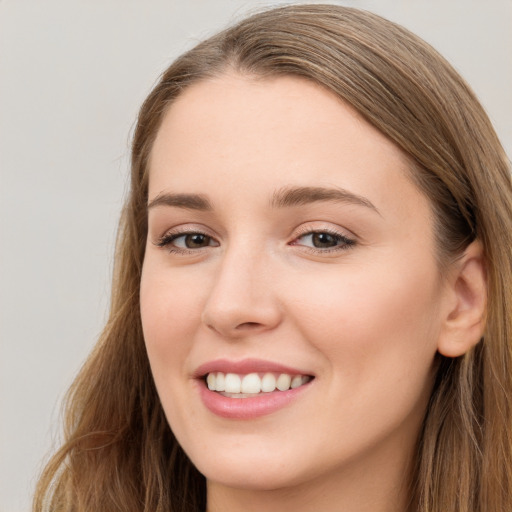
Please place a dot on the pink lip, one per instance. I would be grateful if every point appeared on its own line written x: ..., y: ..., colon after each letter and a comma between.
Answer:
x: 245, y: 366
x: 246, y: 408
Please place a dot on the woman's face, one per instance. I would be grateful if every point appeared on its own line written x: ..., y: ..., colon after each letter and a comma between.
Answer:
x: 287, y: 244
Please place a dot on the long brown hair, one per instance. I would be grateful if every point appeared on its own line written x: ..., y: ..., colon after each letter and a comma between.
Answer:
x: 119, y: 452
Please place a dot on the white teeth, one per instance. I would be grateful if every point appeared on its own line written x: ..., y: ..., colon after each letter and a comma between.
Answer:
x: 219, y: 381
x: 210, y: 380
x: 296, y: 382
x: 283, y: 382
x: 232, y: 383
x: 268, y: 383
x: 252, y: 383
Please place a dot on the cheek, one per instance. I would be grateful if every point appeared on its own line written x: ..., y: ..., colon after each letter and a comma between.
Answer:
x: 170, y: 312
x: 376, y: 332
x: 171, y: 305
x: 374, y: 319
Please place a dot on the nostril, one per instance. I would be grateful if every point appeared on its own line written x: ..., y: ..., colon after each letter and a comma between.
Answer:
x: 248, y: 326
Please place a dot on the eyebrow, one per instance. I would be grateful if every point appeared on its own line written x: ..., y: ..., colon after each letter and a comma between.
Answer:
x: 299, y: 196
x: 187, y: 201
x: 282, y: 198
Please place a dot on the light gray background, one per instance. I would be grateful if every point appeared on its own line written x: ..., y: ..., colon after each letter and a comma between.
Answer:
x: 72, y: 76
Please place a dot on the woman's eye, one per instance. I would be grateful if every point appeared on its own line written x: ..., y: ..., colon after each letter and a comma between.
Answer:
x: 187, y: 241
x: 324, y: 240
x: 192, y: 241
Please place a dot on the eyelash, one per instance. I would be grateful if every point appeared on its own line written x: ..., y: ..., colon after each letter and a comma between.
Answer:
x: 345, y: 243
x: 167, y: 240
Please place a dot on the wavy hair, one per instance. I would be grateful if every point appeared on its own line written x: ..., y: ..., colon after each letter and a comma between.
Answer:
x: 119, y: 452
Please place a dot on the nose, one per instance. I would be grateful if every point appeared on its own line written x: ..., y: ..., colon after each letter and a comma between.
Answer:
x: 242, y: 301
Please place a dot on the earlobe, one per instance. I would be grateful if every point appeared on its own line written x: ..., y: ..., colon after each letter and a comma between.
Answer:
x: 464, y: 321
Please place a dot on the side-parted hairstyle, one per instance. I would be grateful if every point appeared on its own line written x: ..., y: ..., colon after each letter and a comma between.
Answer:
x: 119, y: 452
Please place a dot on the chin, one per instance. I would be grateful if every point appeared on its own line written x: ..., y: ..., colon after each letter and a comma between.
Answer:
x: 254, y: 471
x: 255, y: 478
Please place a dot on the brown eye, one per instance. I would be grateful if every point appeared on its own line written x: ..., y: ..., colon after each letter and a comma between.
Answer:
x: 177, y: 242
x: 196, y: 241
x: 324, y: 240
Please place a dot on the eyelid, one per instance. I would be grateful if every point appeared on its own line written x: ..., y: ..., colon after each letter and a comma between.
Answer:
x: 323, y: 227
x: 349, y: 240
x: 346, y: 239
x: 164, y: 241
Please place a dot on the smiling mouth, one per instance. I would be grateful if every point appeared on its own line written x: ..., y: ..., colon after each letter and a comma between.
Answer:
x: 233, y: 385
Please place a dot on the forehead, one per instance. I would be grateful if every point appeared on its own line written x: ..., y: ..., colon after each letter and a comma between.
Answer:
x: 269, y: 133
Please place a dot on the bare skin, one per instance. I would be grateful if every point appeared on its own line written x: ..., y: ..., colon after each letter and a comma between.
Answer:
x: 284, y: 228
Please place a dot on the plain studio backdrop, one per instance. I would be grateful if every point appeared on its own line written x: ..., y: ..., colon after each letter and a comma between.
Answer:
x: 72, y: 76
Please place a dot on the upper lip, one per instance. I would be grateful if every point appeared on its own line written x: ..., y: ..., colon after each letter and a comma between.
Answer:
x: 245, y: 366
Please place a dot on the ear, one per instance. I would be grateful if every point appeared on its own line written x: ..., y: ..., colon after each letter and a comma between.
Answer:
x: 464, y: 319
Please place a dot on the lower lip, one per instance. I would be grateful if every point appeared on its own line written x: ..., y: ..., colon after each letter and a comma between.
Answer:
x: 247, y: 408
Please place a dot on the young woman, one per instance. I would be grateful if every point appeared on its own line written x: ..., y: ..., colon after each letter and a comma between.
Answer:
x: 312, y: 301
